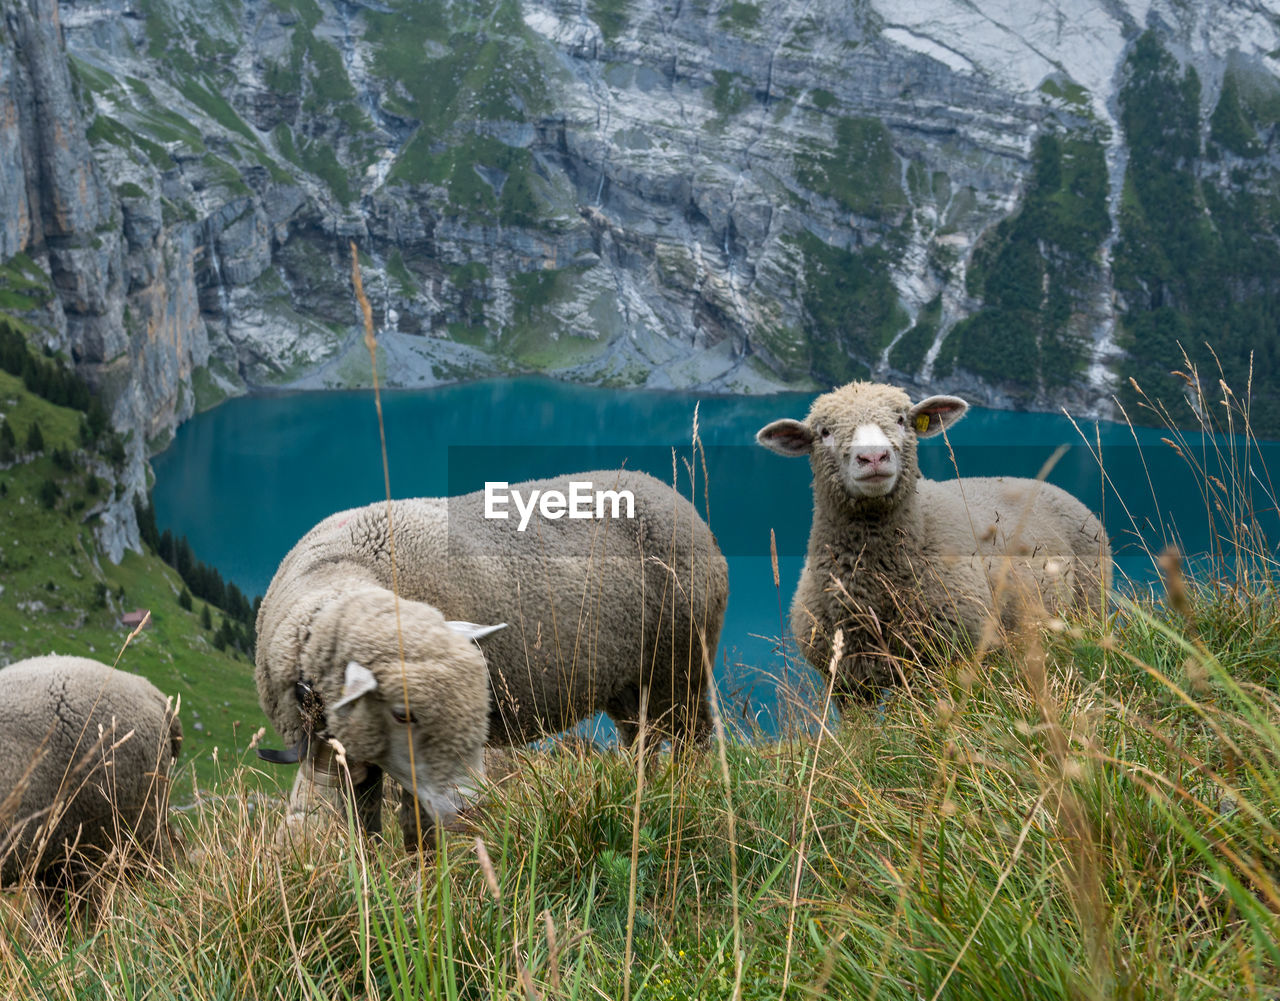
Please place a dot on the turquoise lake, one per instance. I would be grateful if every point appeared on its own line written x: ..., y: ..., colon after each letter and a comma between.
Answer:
x: 247, y: 479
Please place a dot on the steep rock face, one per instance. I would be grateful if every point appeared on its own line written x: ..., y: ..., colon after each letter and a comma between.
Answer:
x: 124, y: 305
x: 732, y: 195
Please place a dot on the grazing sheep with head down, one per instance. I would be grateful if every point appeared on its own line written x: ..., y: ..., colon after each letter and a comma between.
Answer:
x: 84, y: 768
x: 599, y: 615
x: 895, y: 559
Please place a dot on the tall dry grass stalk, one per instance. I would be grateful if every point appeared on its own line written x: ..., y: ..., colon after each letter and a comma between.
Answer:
x: 371, y: 343
x: 837, y: 651
x: 639, y: 750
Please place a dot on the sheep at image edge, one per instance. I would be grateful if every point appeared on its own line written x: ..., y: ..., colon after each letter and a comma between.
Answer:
x: 900, y: 562
x: 595, y: 612
x: 85, y: 756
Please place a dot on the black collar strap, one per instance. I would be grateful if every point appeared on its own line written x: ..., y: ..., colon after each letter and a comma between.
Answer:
x: 311, y: 710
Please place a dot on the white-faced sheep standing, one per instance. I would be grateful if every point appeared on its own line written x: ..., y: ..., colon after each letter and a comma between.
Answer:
x: 896, y: 560
x: 85, y: 756
x: 599, y: 614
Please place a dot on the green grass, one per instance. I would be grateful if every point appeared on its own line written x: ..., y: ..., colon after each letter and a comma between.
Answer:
x: 104, y: 129
x: 318, y: 158
x: 610, y: 16
x: 487, y: 67
x: 823, y: 99
x: 208, y: 391
x: 93, y: 78
x: 50, y: 557
x: 1061, y: 821
x: 225, y: 173
x: 398, y: 270
x: 216, y: 107
x: 474, y: 194
x: 1070, y: 93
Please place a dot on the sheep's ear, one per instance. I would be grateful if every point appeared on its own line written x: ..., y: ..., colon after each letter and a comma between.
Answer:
x: 472, y: 631
x: 359, y: 681
x: 786, y: 437
x: 932, y: 416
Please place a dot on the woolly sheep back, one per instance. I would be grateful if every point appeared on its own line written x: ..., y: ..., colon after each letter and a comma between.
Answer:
x: 114, y: 789
x: 592, y: 608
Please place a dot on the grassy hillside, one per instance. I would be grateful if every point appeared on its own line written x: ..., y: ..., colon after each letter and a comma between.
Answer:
x: 1094, y: 814
x: 61, y: 595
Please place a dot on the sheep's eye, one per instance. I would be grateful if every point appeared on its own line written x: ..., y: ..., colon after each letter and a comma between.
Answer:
x: 902, y: 420
x: 402, y: 715
x: 824, y: 432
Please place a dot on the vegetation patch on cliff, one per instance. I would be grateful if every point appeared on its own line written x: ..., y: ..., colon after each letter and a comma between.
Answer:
x: 852, y: 308
x: 1032, y: 273
x: 484, y: 178
x: 610, y: 16
x: 737, y: 16
x: 908, y: 354
x: 458, y: 65
x: 860, y: 171
x: 23, y: 285
x: 1198, y: 261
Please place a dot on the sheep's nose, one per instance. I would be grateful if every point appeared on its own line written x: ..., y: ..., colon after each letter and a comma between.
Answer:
x: 872, y: 457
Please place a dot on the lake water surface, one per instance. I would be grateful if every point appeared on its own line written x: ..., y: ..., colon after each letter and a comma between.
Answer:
x: 247, y: 479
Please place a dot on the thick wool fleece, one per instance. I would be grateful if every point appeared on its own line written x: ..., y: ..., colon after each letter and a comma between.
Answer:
x: 323, y: 612
x: 928, y: 560
x: 596, y: 612
x: 62, y: 782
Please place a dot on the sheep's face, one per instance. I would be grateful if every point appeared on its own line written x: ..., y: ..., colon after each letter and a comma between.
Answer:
x: 433, y: 742
x: 861, y: 438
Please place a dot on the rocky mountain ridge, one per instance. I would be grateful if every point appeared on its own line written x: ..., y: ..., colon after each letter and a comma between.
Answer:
x: 730, y: 196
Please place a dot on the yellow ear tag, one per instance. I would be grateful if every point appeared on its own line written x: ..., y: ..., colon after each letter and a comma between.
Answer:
x: 922, y: 423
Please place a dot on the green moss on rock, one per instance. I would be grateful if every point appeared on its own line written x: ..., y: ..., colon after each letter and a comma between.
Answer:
x: 860, y: 171
x: 736, y: 16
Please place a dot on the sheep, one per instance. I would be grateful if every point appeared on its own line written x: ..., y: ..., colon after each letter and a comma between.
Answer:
x: 896, y: 560
x: 600, y: 614
x: 84, y: 768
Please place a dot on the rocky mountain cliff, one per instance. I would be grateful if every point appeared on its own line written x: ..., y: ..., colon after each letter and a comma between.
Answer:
x: 1028, y: 203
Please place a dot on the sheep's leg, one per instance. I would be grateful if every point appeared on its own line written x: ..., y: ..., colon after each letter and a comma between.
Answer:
x: 686, y: 720
x: 703, y: 726
x: 369, y: 800
x: 416, y: 823
x: 320, y: 795
x: 686, y: 723
x: 624, y: 709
